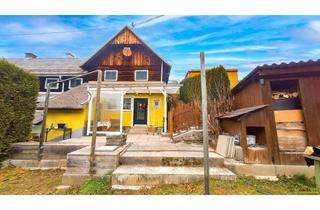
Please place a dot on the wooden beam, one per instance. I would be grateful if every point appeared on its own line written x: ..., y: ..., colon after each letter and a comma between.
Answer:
x: 95, y: 125
x: 204, y: 102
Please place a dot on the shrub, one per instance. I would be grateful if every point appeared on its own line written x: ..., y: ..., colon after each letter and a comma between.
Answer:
x: 218, y: 85
x: 218, y: 91
x: 18, y: 96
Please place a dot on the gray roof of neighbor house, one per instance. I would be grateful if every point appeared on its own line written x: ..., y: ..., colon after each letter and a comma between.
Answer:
x: 75, y: 98
x: 45, y: 66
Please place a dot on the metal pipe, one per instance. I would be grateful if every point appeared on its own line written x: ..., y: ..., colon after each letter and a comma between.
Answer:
x: 204, y: 123
x: 94, y: 128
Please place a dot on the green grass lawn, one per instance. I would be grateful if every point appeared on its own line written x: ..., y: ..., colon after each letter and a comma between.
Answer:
x: 22, y: 181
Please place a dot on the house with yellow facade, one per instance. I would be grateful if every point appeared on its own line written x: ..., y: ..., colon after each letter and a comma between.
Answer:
x: 135, y: 88
x: 134, y: 91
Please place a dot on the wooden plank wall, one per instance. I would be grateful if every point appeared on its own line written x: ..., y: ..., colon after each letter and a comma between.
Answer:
x: 310, y: 98
x: 249, y: 96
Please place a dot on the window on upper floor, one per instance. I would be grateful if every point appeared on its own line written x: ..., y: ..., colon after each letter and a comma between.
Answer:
x: 111, y: 75
x: 75, y: 82
x: 51, y: 80
x: 141, y: 75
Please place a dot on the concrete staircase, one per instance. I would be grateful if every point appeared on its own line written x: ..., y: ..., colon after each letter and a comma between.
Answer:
x: 54, y: 155
x: 138, y: 130
x: 144, y: 169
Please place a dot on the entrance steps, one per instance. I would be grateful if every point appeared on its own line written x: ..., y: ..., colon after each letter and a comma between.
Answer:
x: 170, y: 158
x: 137, y: 177
x: 145, y: 166
x: 138, y: 130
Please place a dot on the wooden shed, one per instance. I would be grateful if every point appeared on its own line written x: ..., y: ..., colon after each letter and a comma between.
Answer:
x: 291, y: 116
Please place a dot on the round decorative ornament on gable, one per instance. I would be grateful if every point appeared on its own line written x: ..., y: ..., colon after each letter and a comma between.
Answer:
x: 127, y: 51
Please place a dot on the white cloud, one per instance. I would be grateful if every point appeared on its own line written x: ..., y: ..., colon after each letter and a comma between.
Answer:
x: 315, y: 25
x: 310, y: 32
x: 19, y: 31
x: 156, y: 21
x: 240, y: 49
x: 167, y: 43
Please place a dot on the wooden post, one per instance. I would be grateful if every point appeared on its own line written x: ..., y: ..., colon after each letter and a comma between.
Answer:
x: 170, y: 123
x: 204, y: 102
x: 44, y: 122
x: 94, y: 126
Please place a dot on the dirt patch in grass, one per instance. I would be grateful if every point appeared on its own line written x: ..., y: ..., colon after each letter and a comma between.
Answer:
x: 18, y: 181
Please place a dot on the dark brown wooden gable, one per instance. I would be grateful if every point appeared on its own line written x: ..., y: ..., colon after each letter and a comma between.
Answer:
x: 112, y: 56
x: 126, y: 37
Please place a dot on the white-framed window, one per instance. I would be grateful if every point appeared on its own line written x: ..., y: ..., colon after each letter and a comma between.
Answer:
x: 53, y: 86
x: 127, y: 104
x: 141, y: 75
x: 111, y: 75
x: 75, y: 82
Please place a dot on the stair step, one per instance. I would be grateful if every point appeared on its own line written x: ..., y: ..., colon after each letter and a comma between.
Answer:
x: 170, y: 158
x: 152, y: 176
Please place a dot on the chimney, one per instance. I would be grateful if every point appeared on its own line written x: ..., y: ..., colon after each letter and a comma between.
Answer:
x: 69, y: 55
x: 30, y: 56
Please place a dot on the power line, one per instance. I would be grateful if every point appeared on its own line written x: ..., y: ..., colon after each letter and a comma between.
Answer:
x: 80, y: 30
x: 145, y: 21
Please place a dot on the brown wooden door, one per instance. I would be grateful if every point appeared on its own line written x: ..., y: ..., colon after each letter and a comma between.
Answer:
x: 310, y: 99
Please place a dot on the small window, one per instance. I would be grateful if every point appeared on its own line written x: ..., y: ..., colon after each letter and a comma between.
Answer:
x: 127, y: 104
x: 141, y: 75
x: 156, y: 104
x: 111, y: 75
x: 75, y: 82
x: 50, y: 80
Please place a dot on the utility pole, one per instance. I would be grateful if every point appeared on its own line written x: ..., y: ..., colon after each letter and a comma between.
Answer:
x: 204, y: 102
x: 94, y: 128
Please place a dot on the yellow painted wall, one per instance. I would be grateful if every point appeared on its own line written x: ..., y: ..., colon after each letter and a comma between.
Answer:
x: 155, y: 116
x: 233, y: 78
x: 232, y: 75
x: 192, y: 74
x: 75, y: 119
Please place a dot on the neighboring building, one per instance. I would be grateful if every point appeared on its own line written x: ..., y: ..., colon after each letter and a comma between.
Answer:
x: 280, y: 105
x: 232, y: 75
x: 52, y: 69
x: 134, y: 90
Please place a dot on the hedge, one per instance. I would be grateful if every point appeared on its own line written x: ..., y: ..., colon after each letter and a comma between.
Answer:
x: 218, y: 84
x: 18, y: 97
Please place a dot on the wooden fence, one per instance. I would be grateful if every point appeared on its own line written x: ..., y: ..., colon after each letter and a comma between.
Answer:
x: 185, y: 116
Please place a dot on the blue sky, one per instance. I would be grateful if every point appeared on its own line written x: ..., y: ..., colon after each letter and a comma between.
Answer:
x: 241, y: 42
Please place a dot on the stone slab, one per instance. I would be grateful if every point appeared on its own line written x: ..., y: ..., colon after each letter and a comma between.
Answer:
x: 151, y: 176
x: 267, y: 169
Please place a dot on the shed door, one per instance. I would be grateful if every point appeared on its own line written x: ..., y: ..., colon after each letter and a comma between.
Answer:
x: 310, y: 98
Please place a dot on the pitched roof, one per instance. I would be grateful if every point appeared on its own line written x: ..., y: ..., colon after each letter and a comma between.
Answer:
x: 49, y: 65
x: 274, y: 66
x: 242, y: 111
x: 71, y: 99
x: 86, y: 63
